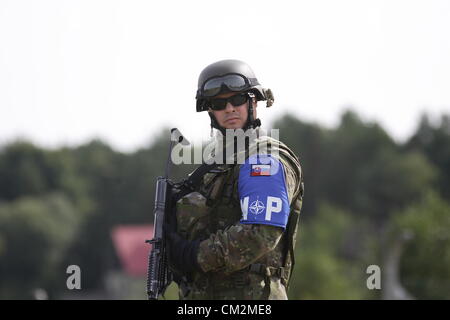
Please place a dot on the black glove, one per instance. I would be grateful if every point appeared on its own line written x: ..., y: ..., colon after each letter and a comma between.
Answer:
x: 183, y: 253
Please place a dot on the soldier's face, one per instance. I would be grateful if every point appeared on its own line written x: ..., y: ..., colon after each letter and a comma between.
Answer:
x: 233, y: 117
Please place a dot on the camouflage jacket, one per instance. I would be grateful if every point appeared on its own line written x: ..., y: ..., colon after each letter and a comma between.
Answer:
x: 239, y: 261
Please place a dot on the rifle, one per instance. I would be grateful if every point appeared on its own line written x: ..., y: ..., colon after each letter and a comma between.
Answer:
x: 159, y: 276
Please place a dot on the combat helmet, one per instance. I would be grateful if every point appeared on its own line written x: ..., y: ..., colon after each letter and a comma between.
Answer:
x: 230, y: 76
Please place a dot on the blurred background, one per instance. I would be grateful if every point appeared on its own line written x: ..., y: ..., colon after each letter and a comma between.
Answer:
x: 90, y: 89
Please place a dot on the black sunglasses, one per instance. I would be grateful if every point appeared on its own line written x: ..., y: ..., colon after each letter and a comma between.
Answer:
x: 218, y: 104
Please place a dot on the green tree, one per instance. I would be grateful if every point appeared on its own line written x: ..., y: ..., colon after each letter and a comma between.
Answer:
x: 122, y: 189
x: 26, y: 170
x: 356, y: 166
x: 434, y: 142
x: 308, y: 141
x: 330, y: 264
x: 425, y: 262
x: 35, y: 233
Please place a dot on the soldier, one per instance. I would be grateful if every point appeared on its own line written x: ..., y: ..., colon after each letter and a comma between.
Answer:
x: 235, y: 234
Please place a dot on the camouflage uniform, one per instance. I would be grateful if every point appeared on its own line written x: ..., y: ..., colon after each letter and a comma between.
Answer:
x: 239, y: 261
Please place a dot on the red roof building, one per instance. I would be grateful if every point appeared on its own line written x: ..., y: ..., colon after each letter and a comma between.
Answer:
x: 129, y: 242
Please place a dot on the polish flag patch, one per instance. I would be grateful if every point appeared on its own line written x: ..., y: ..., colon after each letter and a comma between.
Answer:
x: 260, y: 170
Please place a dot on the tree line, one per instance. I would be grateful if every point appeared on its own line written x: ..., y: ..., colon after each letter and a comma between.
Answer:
x: 365, y: 194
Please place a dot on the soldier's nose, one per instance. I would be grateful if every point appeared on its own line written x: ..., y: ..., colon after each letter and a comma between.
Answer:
x: 229, y: 107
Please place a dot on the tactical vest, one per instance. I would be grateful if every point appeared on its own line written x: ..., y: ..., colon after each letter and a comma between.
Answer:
x: 216, y: 206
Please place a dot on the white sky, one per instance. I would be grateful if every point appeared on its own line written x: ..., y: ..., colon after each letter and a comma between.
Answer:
x: 120, y: 70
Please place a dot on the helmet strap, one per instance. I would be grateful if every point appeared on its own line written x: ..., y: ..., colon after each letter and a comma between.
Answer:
x: 215, y: 124
x: 251, y: 122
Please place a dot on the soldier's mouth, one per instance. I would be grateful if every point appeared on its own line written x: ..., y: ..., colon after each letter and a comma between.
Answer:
x: 231, y: 119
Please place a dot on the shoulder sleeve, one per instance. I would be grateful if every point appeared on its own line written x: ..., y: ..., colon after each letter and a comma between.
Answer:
x: 263, y: 191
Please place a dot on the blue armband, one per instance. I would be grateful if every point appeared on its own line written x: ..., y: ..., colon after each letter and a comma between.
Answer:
x: 263, y: 192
